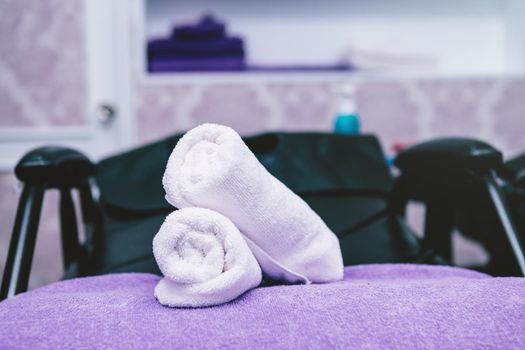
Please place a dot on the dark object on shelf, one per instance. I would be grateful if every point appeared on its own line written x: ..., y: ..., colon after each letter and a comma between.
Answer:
x: 208, y: 28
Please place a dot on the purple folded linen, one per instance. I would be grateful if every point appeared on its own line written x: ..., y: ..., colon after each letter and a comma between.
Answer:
x: 167, y: 48
x: 207, y: 28
x: 374, y: 307
x: 196, y: 64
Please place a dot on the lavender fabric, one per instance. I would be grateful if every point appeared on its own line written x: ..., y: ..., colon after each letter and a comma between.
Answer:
x: 196, y: 64
x: 374, y: 307
x: 167, y: 48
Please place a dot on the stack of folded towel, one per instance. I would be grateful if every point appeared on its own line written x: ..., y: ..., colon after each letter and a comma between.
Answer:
x: 203, y: 46
x: 235, y: 219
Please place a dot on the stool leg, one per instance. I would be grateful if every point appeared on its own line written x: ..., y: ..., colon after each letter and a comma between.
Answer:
x: 23, y: 239
x: 439, y: 222
x: 503, y: 212
x: 69, y: 228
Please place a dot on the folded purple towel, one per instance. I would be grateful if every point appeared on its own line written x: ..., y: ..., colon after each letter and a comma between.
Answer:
x: 166, y: 48
x: 207, y: 28
x: 376, y: 306
x: 220, y: 64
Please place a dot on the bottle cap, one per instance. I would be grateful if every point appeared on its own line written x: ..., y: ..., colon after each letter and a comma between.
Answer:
x: 347, y: 124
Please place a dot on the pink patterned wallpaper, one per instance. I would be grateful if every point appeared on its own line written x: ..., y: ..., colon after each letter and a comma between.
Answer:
x: 302, y: 106
x: 42, y: 80
x: 397, y: 111
x: 455, y: 103
x: 508, y: 113
x: 385, y: 108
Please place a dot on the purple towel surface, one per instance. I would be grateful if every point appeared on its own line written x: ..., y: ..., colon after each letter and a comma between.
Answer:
x: 374, y: 307
x: 167, y: 48
x: 219, y: 64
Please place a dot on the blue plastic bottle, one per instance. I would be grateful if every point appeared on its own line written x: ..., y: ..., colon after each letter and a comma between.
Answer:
x: 347, y: 120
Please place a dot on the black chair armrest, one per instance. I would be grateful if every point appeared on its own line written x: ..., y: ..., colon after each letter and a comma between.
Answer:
x: 445, y: 154
x: 449, y: 175
x: 39, y: 170
x: 443, y: 169
x: 55, y: 166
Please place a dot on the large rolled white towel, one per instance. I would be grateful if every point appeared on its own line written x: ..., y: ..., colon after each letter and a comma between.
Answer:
x: 204, y: 259
x: 211, y: 167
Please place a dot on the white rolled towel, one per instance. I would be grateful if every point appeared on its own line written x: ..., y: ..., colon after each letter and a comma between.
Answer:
x: 204, y: 259
x: 211, y: 167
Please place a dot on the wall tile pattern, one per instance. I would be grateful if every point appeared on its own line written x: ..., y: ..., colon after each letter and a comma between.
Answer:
x: 42, y: 77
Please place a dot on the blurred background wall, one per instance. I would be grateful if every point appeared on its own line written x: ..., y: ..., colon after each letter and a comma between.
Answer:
x: 46, y: 89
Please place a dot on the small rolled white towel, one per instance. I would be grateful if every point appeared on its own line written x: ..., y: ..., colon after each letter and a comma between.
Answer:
x: 204, y: 259
x: 211, y: 167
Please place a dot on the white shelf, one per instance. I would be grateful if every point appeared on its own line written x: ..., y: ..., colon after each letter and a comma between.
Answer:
x: 166, y: 79
x: 467, y: 38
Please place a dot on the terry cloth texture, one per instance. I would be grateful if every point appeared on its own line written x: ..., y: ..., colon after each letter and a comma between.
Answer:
x: 374, y: 307
x: 212, y: 168
x: 204, y: 259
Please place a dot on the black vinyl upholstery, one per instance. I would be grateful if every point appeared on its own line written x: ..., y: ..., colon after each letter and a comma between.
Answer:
x: 343, y: 178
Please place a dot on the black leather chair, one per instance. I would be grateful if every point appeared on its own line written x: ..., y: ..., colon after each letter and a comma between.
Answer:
x: 343, y: 178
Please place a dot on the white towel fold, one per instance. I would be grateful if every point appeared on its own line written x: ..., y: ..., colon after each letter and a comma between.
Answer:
x: 204, y: 259
x: 211, y: 167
